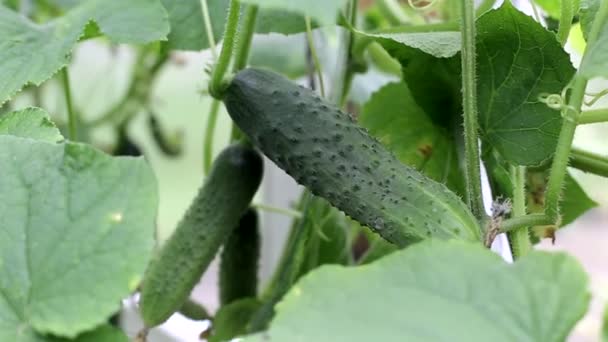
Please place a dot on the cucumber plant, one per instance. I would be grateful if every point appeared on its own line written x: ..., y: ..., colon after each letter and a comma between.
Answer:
x: 385, y: 112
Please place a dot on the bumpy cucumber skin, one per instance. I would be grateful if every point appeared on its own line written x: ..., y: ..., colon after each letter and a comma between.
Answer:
x: 239, y: 260
x: 324, y: 149
x: 214, y: 213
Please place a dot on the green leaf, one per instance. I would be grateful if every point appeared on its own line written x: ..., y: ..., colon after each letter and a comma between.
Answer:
x: 588, y: 11
x: 393, y: 116
x: 32, y: 53
x: 187, y: 25
x: 519, y: 60
x: 554, y: 7
x: 442, y: 44
x: 77, y: 231
x: 32, y: 123
x: 105, y: 333
x: 595, y: 61
x: 436, y: 291
x: 231, y: 320
x: 325, y: 12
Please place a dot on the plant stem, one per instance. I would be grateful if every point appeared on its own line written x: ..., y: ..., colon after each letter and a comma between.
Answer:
x: 571, y: 113
x: 209, y: 135
x: 283, y: 211
x: 520, y: 237
x: 593, y: 116
x: 209, y: 29
x: 392, y: 11
x: 469, y: 104
x: 565, y: 21
x: 216, y: 86
x: 72, y: 120
x: 241, y: 55
x: 529, y: 220
x: 589, y: 162
x: 342, y: 79
x: 315, y: 56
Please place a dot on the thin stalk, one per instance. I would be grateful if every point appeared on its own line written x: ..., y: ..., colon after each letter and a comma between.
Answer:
x: 217, y: 85
x: 529, y: 220
x: 593, y: 116
x: 393, y: 12
x: 282, y: 211
x: 209, y: 135
x: 469, y: 104
x: 241, y: 54
x: 565, y: 21
x: 520, y: 237
x: 208, y: 29
x: 72, y: 120
x: 589, y: 162
x: 571, y: 113
x: 343, y: 79
x: 315, y: 57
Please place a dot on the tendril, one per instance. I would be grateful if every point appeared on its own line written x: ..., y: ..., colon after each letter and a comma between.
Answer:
x: 596, y: 97
x: 558, y: 102
x: 421, y: 5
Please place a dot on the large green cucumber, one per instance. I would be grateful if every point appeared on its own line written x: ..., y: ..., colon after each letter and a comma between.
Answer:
x: 212, y: 216
x: 239, y: 260
x: 324, y: 149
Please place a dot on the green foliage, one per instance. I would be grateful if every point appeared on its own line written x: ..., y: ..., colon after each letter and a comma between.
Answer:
x: 70, y: 215
x: 518, y: 61
x: 553, y: 7
x: 438, y: 44
x: 32, y: 123
x: 32, y: 53
x: 588, y: 11
x: 595, y: 63
x: 455, y: 291
x: 393, y: 116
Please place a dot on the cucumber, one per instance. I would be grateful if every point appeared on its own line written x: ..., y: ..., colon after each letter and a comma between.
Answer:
x: 325, y: 150
x: 214, y: 213
x: 239, y: 260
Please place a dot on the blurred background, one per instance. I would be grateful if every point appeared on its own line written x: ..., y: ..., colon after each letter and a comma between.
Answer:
x: 100, y: 75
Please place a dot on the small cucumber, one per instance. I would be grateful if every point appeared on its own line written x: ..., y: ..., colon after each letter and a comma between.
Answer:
x: 324, y: 149
x: 239, y: 260
x: 214, y: 213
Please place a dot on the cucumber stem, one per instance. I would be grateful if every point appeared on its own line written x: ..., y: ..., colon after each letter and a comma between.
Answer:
x: 571, y: 112
x: 593, y: 116
x: 209, y: 135
x: 208, y: 29
x: 469, y: 104
x: 565, y: 21
x: 589, y: 162
x: 216, y: 85
x: 67, y: 92
x: 520, y: 237
x: 241, y: 54
x: 315, y: 56
x: 525, y: 221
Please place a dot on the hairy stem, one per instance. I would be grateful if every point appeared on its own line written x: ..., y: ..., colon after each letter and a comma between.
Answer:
x: 208, y: 29
x: 315, y: 56
x: 593, y: 116
x: 216, y: 86
x: 241, y: 54
x: 571, y: 114
x: 525, y: 221
x: 589, y: 162
x: 209, y: 135
x: 67, y: 91
x: 469, y: 104
x: 565, y: 21
x: 520, y: 237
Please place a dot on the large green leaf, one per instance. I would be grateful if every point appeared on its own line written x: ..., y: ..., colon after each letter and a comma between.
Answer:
x: 595, y: 61
x: 393, y: 116
x: 187, y: 26
x: 32, y: 53
x: 325, y: 12
x: 518, y: 61
x: 438, y: 44
x: 76, y: 232
x: 588, y: 11
x: 32, y: 123
x: 435, y: 291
